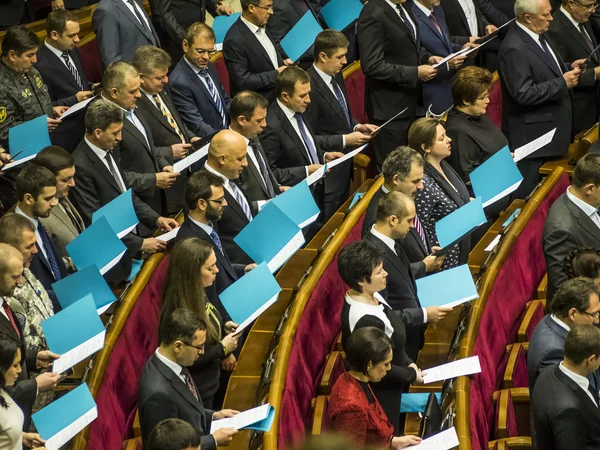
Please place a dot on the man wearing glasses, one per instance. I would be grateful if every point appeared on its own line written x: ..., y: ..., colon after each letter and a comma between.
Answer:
x: 197, y: 91
x: 572, y: 34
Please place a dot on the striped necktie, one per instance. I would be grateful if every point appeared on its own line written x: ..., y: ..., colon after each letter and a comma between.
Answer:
x: 421, y: 231
x: 72, y: 69
x: 239, y: 197
x: 212, y: 91
x: 167, y: 115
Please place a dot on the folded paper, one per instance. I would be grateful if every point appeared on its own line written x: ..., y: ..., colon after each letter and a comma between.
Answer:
x: 260, y: 418
x: 497, y: 177
x: 301, y: 37
x: 119, y: 213
x: 298, y: 204
x: 447, y: 288
x: 81, y: 283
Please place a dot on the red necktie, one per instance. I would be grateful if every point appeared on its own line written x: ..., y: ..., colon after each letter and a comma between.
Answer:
x: 190, y: 383
x: 11, y: 317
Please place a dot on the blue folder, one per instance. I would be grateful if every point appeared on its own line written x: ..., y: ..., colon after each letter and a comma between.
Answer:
x: 452, y: 286
x: 98, y: 245
x: 119, y: 213
x: 460, y: 223
x: 414, y: 402
x: 301, y: 37
x: 265, y: 424
x: 491, y: 180
x: 249, y: 293
x: 221, y: 26
x: 511, y: 217
x: 338, y: 14
x: 63, y: 411
x: 29, y: 137
x: 85, y: 281
x: 298, y: 203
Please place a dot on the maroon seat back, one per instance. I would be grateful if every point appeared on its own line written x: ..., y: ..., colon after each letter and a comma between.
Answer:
x: 520, y: 378
x: 355, y: 88
x: 494, y: 108
x: 219, y: 63
x: 91, y: 61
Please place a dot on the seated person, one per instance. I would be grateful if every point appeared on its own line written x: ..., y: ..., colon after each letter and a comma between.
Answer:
x: 583, y: 262
x: 354, y: 410
x: 173, y: 434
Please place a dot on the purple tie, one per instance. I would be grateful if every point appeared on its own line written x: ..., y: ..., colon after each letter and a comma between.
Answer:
x: 421, y: 232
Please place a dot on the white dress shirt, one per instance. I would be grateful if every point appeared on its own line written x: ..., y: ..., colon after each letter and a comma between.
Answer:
x: 393, y: 5
x: 560, y: 323
x: 588, y: 210
x: 226, y: 183
x: 253, y: 157
x: 102, y: 154
x: 574, y: 22
x: 290, y: 116
x: 140, y: 12
x: 468, y: 8
x: 581, y: 381
x: 536, y: 38
x: 38, y: 239
x: 59, y: 54
x: 264, y: 40
x: 176, y: 368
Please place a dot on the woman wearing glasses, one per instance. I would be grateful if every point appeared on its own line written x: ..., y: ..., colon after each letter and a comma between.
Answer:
x: 192, y: 268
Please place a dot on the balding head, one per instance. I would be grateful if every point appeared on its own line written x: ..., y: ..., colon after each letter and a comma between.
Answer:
x: 11, y: 269
x: 395, y: 215
x: 535, y: 15
x: 121, y: 84
x: 227, y: 154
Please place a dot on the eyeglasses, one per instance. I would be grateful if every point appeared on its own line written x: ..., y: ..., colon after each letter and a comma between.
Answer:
x: 587, y: 7
x: 208, y: 52
x: 266, y: 8
x: 199, y: 348
x: 596, y: 315
x: 220, y: 201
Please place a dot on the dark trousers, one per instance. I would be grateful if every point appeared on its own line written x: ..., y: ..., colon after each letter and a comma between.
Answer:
x: 333, y: 200
x: 530, y: 169
x: 389, y: 138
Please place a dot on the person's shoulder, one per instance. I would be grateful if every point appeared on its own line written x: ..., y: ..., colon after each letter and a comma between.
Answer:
x: 234, y: 30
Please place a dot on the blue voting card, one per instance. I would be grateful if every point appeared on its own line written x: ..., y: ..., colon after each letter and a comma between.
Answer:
x: 29, y: 138
x: 81, y: 283
x: 77, y: 408
x: 265, y: 424
x: 355, y: 199
x: 447, y: 288
x: 221, y: 26
x: 338, y: 14
x: 414, y: 402
x: 120, y: 214
x: 511, y: 217
x: 136, y: 266
x: 496, y: 178
x: 249, y: 294
x: 301, y: 37
x: 459, y: 223
x: 98, y: 245
x: 299, y: 205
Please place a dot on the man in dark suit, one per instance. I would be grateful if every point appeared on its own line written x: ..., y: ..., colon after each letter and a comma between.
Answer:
x: 197, y: 90
x: 394, y: 64
x: 565, y: 413
x: 252, y: 59
x: 99, y: 179
x: 395, y: 215
x: 574, y: 39
x: 167, y: 390
x: 573, y: 220
x: 156, y: 107
x: 535, y: 90
x: 575, y: 303
x: 328, y: 114
x: 121, y: 27
x: 403, y: 172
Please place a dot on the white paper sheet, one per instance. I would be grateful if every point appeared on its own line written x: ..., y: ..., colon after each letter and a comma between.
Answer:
x: 316, y: 175
x: 76, y: 107
x: 166, y: 237
x: 346, y: 157
x: 533, y: 146
x: 444, y: 440
x: 465, y: 366
x: 112, y: 263
x: 381, y: 126
x: 191, y: 159
x: 286, y: 252
x: 309, y: 220
x: 257, y: 313
x: 493, y: 244
x: 79, y: 353
x: 450, y: 56
x: 242, y: 419
x: 17, y: 162
x: 471, y: 50
x: 461, y: 301
x: 103, y: 309
x: 66, y: 434
x: 502, y: 194
x: 126, y: 231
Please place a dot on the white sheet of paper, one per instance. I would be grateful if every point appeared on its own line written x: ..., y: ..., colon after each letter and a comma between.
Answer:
x: 450, y: 56
x: 381, y: 126
x: 309, y: 220
x: 261, y: 204
x: 257, y: 313
x: 166, y: 237
x: 444, y: 440
x: 79, y: 353
x: 465, y: 366
x: 112, y: 263
x: 533, y: 146
x: 493, y: 244
x: 66, y: 434
x: 126, y: 231
x: 471, y: 50
x: 316, y: 175
x: 502, y: 194
x: 346, y: 157
x: 18, y: 162
x: 242, y: 419
x: 191, y: 159
x: 76, y: 107
x: 461, y: 301
x: 286, y: 252
x: 103, y: 309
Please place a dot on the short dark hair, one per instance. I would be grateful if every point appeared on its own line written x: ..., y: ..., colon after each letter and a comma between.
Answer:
x: 148, y: 58
x: 470, y: 83
x: 393, y: 204
x: 101, y: 114
x: 328, y: 41
x: 12, y: 226
x: 8, y: 352
x: 245, y: 103
x: 32, y: 180
x: 57, y: 20
x: 54, y: 158
x: 582, y: 342
x: 400, y: 163
x: 356, y: 262
x: 583, y: 262
x: 587, y: 171
x: 198, y: 187
x: 287, y: 79
x: 246, y: 3
x: 197, y: 29
x: 181, y: 325
x: 19, y: 39
x: 423, y: 131
x: 172, y: 434
x: 367, y: 344
x: 116, y: 73
x: 573, y: 293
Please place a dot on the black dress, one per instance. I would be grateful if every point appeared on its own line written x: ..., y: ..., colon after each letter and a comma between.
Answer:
x: 389, y: 390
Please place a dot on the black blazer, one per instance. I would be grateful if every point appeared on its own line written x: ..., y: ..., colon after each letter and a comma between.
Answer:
x: 248, y: 64
x: 11, y: 13
x: 252, y: 182
x: 564, y: 416
x: 457, y: 20
x: 40, y: 267
x: 535, y: 98
x: 163, y: 395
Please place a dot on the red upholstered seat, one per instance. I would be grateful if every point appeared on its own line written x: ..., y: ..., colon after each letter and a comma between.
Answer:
x: 90, y: 59
x: 355, y: 88
x: 222, y: 71
x: 494, y: 108
x: 506, y: 423
x: 533, y: 314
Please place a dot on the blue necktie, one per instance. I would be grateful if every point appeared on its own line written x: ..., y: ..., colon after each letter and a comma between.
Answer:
x: 545, y: 47
x: 215, y: 238
x: 49, y: 252
x: 342, y: 101
x: 72, y: 69
x: 212, y: 91
x: 406, y: 22
x: 310, y: 146
x: 262, y: 167
x: 239, y: 197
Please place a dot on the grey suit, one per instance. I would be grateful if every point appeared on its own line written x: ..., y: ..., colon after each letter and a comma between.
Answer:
x: 61, y: 229
x: 567, y: 228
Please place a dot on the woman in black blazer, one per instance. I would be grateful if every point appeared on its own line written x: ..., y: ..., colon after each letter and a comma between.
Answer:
x: 443, y: 190
x: 360, y: 264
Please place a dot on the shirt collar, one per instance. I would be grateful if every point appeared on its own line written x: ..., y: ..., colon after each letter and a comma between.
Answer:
x: 326, y: 78
x: 250, y: 25
x: 170, y: 364
x: 532, y: 34
x: 31, y: 219
x: 589, y: 210
x: 560, y: 322
x: 150, y: 96
x: 54, y: 50
x: 196, y: 69
x: 384, y: 189
x: 425, y: 10
x: 582, y: 381
x: 386, y: 240
x: 207, y: 228
x: 287, y: 111
x: 220, y: 175
x: 97, y: 150
x: 573, y: 21
x: 393, y: 5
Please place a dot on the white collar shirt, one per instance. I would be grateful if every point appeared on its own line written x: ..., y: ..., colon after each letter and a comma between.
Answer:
x: 261, y: 34
x: 587, y: 209
x: 581, y: 381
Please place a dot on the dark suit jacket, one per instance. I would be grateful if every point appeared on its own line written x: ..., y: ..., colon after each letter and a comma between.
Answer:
x: 195, y: 104
x: 11, y: 13
x: 567, y: 228
x: 457, y: 20
x: 389, y: 59
x: 163, y: 395
x: 248, y: 64
x: 564, y: 416
x: 40, y: 267
x: 572, y: 46
x: 535, y: 98
x: 252, y: 182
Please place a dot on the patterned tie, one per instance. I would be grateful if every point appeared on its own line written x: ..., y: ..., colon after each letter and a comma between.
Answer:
x: 215, y: 238
x: 212, y: 91
x: 262, y: 167
x: 586, y: 37
x: 114, y: 172
x: 167, y: 115
x: 77, y: 222
x: 147, y: 31
x: 49, y: 251
x: 72, y: 69
x: 421, y: 231
x: 406, y: 22
x: 312, y: 151
x: 545, y: 47
x: 189, y: 382
x: 436, y: 24
x: 11, y: 317
x: 341, y: 101
x: 239, y: 197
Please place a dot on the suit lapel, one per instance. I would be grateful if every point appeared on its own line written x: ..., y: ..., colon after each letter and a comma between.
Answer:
x: 61, y: 68
x: 221, y: 257
x: 255, y: 43
x: 535, y: 48
x: 234, y: 205
x: 254, y: 171
x: 102, y: 169
x: 166, y: 98
x: 331, y: 99
x: 578, y: 390
x: 291, y: 132
x: 154, y: 112
x: 130, y: 128
x: 420, y: 16
x: 397, y: 258
x: 414, y: 234
x: 60, y: 214
x: 178, y: 384
x: 393, y: 14
x: 7, y: 328
x: 574, y: 32
x: 194, y: 79
x: 461, y: 14
x: 583, y: 220
x: 127, y: 12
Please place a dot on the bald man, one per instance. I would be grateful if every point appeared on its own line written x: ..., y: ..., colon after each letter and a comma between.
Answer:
x: 227, y: 160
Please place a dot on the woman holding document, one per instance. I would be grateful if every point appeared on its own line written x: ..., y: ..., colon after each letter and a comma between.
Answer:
x: 192, y: 268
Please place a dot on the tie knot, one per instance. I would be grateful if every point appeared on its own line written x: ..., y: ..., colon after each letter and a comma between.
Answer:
x: 65, y: 54
x: 156, y: 97
x: 298, y: 116
x: 203, y: 73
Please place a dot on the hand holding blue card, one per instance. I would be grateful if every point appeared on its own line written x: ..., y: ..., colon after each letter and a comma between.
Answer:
x: 301, y: 37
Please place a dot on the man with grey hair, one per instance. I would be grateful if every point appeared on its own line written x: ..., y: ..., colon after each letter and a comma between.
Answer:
x: 535, y: 89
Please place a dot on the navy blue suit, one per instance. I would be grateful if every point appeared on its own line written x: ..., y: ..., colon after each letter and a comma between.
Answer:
x: 191, y: 97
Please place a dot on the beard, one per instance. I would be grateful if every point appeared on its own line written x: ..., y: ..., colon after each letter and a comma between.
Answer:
x: 213, y: 214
